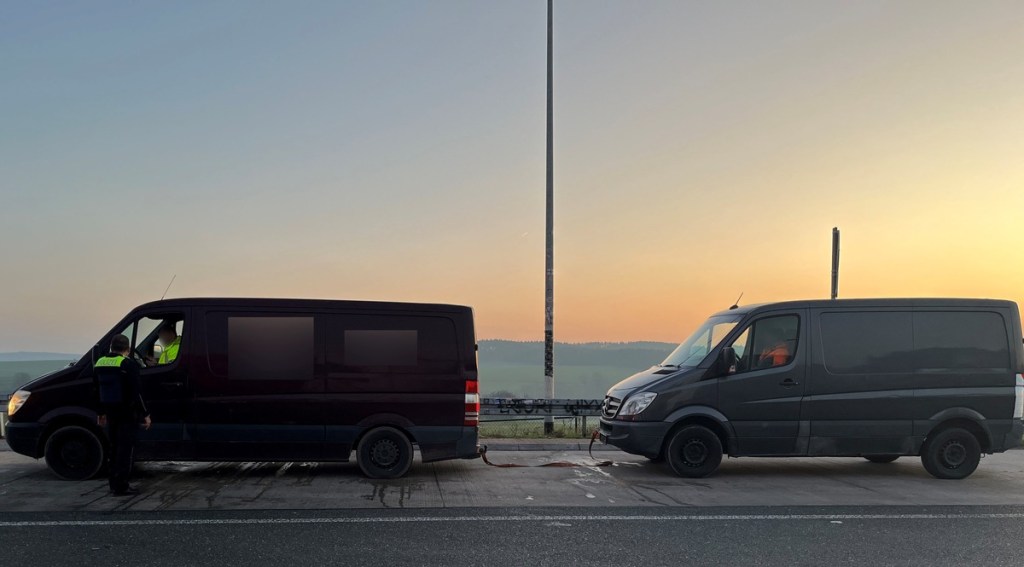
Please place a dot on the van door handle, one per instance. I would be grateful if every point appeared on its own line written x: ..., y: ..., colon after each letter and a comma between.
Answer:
x: 789, y: 382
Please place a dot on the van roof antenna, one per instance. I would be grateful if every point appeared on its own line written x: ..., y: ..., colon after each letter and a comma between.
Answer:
x: 737, y: 304
x: 168, y: 287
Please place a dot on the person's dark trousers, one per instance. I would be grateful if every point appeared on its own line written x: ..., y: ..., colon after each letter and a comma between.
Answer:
x: 122, y: 428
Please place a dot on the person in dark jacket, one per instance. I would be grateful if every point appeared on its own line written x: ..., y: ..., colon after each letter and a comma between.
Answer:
x: 121, y: 410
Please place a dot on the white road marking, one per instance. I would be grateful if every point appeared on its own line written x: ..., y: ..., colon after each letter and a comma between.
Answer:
x: 427, y: 519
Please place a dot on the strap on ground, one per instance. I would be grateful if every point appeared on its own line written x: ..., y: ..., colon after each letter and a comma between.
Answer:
x: 590, y: 450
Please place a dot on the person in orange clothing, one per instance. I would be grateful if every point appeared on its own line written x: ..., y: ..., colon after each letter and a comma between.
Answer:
x: 776, y: 351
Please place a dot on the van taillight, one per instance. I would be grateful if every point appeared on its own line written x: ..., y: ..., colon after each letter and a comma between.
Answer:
x: 1018, y: 409
x: 472, y: 404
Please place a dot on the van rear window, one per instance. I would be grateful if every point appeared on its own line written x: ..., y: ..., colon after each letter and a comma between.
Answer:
x: 381, y: 348
x: 392, y: 344
x: 959, y: 340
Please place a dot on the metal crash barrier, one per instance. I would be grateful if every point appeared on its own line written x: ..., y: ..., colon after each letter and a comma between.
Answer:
x: 522, y: 409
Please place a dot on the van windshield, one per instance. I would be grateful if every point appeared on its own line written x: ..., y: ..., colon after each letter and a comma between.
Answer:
x: 701, y: 342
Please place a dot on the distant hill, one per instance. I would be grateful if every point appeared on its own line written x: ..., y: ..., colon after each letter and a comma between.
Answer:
x: 22, y: 356
x: 582, y: 370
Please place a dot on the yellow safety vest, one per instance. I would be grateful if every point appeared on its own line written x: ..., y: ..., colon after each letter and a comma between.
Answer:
x: 170, y: 351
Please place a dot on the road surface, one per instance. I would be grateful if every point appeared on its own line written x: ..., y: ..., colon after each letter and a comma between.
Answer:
x: 753, y: 512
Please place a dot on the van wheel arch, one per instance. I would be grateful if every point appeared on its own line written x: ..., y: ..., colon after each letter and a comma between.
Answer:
x: 368, y: 428
x: 709, y: 422
x: 75, y: 450
x: 972, y: 426
x: 71, y: 420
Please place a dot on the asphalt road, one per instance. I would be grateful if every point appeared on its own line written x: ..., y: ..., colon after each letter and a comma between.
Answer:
x: 753, y: 512
x: 544, y: 536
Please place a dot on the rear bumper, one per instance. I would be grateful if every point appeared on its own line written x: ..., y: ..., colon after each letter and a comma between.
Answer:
x: 637, y: 437
x: 24, y: 438
x: 440, y: 443
x: 1013, y: 439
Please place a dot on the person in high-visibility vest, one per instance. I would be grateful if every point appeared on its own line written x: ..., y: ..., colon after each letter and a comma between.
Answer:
x: 170, y: 341
x: 776, y: 351
x: 121, y: 410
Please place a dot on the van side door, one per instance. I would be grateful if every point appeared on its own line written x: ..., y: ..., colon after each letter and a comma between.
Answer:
x: 164, y: 386
x: 861, y: 389
x: 762, y: 396
x: 260, y: 395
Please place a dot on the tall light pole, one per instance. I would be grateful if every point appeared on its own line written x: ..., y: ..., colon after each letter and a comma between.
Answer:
x: 549, y: 262
x: 835, y: 262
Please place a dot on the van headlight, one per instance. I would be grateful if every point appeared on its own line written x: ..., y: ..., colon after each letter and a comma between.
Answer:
x: 636, y: 404
x: 17, y: 400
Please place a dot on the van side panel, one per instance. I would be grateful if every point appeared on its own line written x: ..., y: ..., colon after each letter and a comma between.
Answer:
x: 416, y: 381
x: 258, y: 391
x: 883, y: 378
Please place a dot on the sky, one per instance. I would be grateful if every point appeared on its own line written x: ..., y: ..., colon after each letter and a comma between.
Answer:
x: 395, y: 151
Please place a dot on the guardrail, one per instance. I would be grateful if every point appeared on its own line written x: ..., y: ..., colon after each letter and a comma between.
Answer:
x: 519, y: 410
x: 516, y: 407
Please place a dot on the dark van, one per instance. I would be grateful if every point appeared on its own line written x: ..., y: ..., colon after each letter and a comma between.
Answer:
x: 273, y: 380
x: 872, y: 378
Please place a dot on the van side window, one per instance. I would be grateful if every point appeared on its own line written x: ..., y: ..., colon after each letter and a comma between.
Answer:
x: 244, y: 347
x: 767, y: 343
x: 960, y: 339
x: 156, y: 338
x: 392, y: 344
x: 867, y: 342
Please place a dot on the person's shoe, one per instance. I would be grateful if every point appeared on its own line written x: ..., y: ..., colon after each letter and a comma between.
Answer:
x: 130, y: 491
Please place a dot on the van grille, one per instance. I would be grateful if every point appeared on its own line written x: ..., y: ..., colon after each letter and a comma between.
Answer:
x: 611, y: 406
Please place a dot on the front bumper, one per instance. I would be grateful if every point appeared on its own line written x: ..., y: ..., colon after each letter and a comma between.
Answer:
x: 637, y: 437
x: 24, y: 438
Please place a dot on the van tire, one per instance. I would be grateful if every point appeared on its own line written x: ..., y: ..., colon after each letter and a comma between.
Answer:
x: 74, y: 452
x: 951, y: 454
x: 881, y: 459
x: 694, y: 452
x: 384, y: 452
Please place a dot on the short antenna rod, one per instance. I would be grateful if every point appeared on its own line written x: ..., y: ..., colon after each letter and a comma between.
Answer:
x: 737, y: 304
x: 168, y: 287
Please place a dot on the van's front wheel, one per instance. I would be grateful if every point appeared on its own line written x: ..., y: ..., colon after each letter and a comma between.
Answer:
x: 74, y: 453
x: 694, y: 452
x: 384, y: 452
x: 953, y: 453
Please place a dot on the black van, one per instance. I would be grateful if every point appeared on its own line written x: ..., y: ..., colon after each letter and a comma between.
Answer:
x: 873, y: 378
x: 273, y: 380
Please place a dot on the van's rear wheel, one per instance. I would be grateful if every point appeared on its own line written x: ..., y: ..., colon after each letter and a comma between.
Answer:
x: 882, y: 459
x: 74, y: 453
x: 952, y: 453
x: 694, y: 451
x: 384, y: 452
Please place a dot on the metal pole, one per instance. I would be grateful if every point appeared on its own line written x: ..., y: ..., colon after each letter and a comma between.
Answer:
x: 835, y: 262
x: 549, y: 263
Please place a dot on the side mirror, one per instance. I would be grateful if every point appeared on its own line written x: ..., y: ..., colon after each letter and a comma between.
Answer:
x: 727, y: 361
